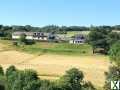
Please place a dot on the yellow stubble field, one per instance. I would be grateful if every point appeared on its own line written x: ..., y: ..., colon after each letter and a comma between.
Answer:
x: 51, y: 66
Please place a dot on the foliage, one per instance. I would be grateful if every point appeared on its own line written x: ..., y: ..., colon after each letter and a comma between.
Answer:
x: 113, y: 37
x: 73, y: 80
x: 47, y: 85
x: 114, y: 53
x: 74, y: 77
x: 23, y: 80
x: 88, y: 86
x: 10, y: 70
x: 112, y: 75
x: 2, y: 83
x: 114, y: 72
x: 102, y: 38
x: 1, y: 71
x: 28, y: 80
x: 22, y: 38
x: 98, y: 38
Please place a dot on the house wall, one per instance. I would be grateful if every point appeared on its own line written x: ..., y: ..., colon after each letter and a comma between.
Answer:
x: 71, y: 41
x: 36, y: 38
x: 15, y: 37
x: 29, y: 37
x: 77, y: 41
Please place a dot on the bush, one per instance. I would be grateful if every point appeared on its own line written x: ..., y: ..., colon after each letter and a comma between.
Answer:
x: 72, y: 79
x: 10, y: 70
x: 112, y: 75
x: 23, y: 80
x: 29, y: 42
x: 114, y: 53
x: 88, y: 86
x: 1, y: 71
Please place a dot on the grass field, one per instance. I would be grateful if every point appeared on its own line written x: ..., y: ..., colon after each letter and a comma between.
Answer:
x: 55, y: 48
x: 59, y: 48
x: 52, y: 66
x: 72, y: 33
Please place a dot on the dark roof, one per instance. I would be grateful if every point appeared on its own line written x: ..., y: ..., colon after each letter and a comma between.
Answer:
x: 79, y: 37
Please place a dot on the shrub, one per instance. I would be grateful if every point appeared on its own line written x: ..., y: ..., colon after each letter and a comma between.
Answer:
x: 1, y: 71
x: 112, y: 75
x: 114, y: 53
x: 10, y: 70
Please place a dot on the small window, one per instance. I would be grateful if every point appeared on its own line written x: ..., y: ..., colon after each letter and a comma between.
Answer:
x: 42, y: 37
x: 76, y: 42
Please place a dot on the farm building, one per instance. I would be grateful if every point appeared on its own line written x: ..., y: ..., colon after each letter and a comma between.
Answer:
x: 78, y: 39
x: 31, y: 35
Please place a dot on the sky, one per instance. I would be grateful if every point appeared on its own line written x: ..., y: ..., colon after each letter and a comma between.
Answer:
x: 60, y: 12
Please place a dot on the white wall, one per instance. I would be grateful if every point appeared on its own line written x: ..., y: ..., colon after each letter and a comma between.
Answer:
x: 71, y: 41
x: 74, y: 42
x: 29, y: 37
x: 15, y: 37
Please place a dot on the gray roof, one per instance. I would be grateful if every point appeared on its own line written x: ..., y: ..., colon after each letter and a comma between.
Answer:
x: 79, y: 37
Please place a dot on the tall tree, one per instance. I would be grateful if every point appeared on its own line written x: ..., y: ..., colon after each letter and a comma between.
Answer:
x: 73, y: 78
x: 115, y: 53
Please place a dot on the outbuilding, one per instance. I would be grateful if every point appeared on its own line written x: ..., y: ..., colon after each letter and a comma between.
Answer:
x: 78, y: 39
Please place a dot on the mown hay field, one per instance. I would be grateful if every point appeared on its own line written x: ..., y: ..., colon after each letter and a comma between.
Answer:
x: 52, y: 66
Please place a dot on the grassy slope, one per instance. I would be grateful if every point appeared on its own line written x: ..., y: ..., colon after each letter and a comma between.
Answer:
x: 72, y: 33
x: 54, y: 48
x: 59, y: 48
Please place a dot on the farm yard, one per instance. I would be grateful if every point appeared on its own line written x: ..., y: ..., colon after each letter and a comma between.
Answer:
x: 51, y: 65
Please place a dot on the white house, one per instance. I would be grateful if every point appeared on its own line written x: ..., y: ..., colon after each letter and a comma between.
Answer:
x: 78, y: 39
x: 30, y: 35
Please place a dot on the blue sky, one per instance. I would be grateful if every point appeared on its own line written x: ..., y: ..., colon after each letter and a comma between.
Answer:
x: 59, y: 12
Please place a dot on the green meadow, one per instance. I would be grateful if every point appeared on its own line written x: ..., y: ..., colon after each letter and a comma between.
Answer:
x: 58, y: 48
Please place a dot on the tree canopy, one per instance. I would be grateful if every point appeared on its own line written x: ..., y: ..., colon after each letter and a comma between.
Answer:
x: 29, y: 80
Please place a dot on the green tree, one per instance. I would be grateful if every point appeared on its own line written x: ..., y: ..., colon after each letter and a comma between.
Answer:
x: 47, y: 85
x: 2, y: 79
x: 98, y: 38
x: 23, y: 38
x: 112, y: 75
x: 10, y: 70
x: 1, y: 71
x: 113, y: 37
x: 23, y: 80
x: 114, y: 53
x: 114, y: 72
x: 88, y: 86
x: 73, y: 78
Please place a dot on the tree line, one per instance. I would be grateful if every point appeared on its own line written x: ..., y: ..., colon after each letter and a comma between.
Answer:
x: 101, y: 39
x: 5, y: 30
x: 15, y: 79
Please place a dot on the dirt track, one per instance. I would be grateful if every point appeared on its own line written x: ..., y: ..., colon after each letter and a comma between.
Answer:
x: 54, y: 65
